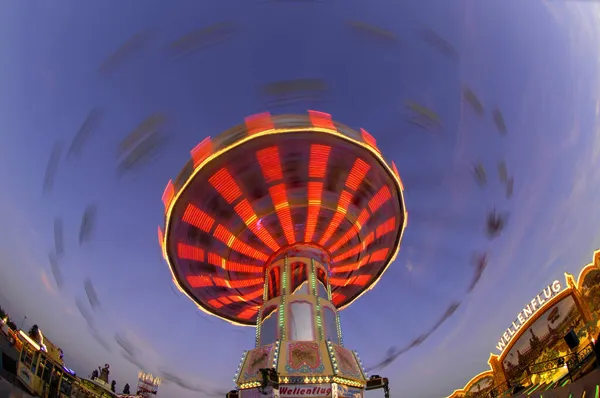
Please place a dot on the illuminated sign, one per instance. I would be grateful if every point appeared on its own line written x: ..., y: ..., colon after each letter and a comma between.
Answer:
x: 535, y: 304
x: 304, y: 390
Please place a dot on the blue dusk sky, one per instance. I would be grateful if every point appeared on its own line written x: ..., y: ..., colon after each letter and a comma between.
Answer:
x: 537, y: 61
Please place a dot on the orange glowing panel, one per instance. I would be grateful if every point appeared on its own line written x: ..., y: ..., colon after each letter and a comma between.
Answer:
x: 338, y: 281
x: 247, y: 214
x: 337, y: 298
x: 317, y: 164
x: 321, y: 119
x: 357, y: 174
x: 168, y: 194
x: 338, y: 217
x: 161, y: 237
x: 361, y: 220
x: 215, y: 303
x: 360, y: 280
x: 315, y: 190
x: 253, y: 295
x: 347, y: 254
x: 368, y: 240
x: 233, y: 266
x: 224, y: 183
x: 379, y: 255
x: 199, y: 281
x: 369, y: 139
x: 356, y: 249
x: 187, y: 252
x: 237, y: 284
x: 201, y: 151
x: 220, y: 302
x: 351, y: 233
x: 270, y: 164
x: 386, y: 227
x: 379, y: 199
x: 222, y: 234
x: 258, y: 123
x: 224, y: 300
x: 282, y: 207
x: 248, y: 313
x: 196, y: 217
x: 339, y: 269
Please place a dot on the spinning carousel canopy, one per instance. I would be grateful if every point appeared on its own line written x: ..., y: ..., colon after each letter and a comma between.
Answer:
x: 269, y: 184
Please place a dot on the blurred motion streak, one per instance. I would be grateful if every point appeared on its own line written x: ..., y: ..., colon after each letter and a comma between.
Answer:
x: 510, y: 185
x: 495, y: 223
x: 151, y: 125
x: 499, y: 121
x: 90, y: 124
x: 479, y: 174
x: 473, y: 100
x: 91, y: 294
x: 84, y: 312
x: 373, y: 31
x: 288, y: 92
x: 423, y: 117
x: 480, y: 262
x: 170, y: 377
x: 52, y: 167
x: 88, y: 221
x: 132, y: 360
x: 144, y: 152
x: 59, y: 246
x: 437, y: 42
x: 126, y: 345
x: 55, y: 270
x: 203, y: 37
x: 128, y: 48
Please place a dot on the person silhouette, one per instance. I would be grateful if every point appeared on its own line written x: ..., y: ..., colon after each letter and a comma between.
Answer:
x: 104, y: 372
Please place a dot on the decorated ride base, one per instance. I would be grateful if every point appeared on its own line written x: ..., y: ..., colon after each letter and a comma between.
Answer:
x: 299, y: 307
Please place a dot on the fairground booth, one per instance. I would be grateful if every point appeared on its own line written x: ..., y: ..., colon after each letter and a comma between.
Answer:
x: 550, y: 345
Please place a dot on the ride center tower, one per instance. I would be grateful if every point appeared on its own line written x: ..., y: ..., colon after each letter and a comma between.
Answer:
x: 280, y: 223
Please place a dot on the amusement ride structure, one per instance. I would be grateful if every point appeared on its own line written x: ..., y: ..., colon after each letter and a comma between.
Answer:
x: 280, y: 223
x: 147, y: 385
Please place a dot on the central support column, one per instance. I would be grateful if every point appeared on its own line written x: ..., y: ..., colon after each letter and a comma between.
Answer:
x: 297, y: 299
x: 298, y: 330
